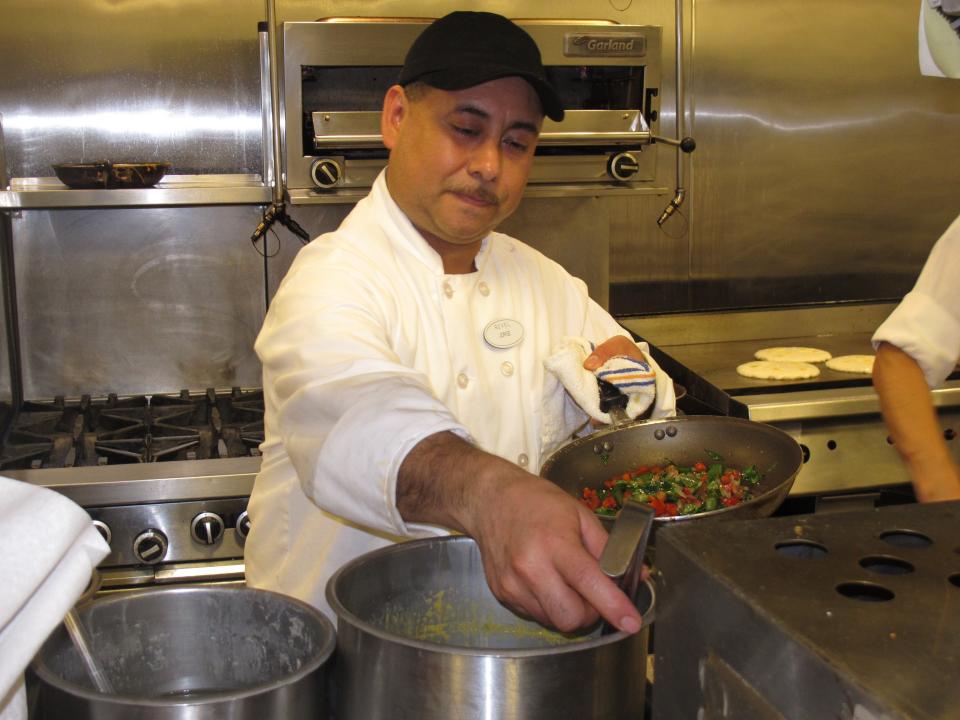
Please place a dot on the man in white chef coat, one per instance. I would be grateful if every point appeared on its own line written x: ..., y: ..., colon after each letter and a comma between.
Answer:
x: 918, y: 346
x: 403, y: 353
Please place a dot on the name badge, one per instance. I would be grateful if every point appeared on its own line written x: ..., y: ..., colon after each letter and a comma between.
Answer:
x: 502, y: 334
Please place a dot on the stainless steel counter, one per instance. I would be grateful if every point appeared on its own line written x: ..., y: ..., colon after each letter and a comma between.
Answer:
x: 851, y: 615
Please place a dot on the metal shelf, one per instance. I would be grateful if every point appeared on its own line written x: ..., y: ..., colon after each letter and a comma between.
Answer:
x: 50, y: 193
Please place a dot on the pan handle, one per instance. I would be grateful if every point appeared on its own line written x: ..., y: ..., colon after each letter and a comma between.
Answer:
x: 614, y: 402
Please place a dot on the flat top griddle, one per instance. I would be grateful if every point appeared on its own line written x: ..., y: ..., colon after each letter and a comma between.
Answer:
x: 717, y: 362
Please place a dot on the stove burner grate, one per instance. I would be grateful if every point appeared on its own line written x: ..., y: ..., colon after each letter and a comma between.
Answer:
x: 136, y: 429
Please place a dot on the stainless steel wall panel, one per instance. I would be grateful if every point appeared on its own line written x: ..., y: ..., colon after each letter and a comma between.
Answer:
x: 89, y: 80
x: 820, y: 146
x: 135, y: 301
x: 574, y: 232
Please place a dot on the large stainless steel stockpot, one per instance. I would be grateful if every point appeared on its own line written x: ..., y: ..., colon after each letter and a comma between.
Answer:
x: 421, y: 637
x: 202, y: 653
x: 588, y: 461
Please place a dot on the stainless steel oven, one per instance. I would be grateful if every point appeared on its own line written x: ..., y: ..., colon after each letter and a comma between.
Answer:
x: 335, y: 73
x: 165, y: 478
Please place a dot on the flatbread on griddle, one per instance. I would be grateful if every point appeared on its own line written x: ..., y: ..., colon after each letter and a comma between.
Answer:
x: 777, y: 370
x: 852, y: 364
x: 792, y: 354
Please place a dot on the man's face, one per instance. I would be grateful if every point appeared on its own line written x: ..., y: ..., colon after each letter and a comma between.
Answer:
x: 459, y: 160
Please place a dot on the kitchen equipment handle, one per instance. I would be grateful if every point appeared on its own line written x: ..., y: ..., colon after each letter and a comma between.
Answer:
x: 613, y: 402
x: 588, y: 138
x: 347, y: 141
x: 550, y: 139
x: 686, y: 144
x: 622, y: 557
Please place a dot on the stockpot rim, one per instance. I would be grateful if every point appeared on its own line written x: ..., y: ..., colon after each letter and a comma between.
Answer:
x: 45, y: 674
x: 343, y: 614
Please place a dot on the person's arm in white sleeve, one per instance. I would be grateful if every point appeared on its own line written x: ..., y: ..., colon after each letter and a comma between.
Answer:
x: 347, y: 410
x: 917, y: 348
x: 912, y: 421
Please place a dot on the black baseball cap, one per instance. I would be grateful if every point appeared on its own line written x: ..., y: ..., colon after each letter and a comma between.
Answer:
x: 467, y: 48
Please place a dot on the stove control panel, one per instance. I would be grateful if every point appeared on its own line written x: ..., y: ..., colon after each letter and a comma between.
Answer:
x: 172, y: 532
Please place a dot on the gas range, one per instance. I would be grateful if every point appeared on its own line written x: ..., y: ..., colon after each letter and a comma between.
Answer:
x: 134, y: 429
x: 165, y: 478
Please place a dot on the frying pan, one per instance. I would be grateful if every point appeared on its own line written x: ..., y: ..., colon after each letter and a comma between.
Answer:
x: 588, y: 461
x: 103, y: 174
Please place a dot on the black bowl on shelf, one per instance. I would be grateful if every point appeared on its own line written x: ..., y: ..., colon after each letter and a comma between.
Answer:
x: 103, y: 174
x: 87, y: 175
x: 137, y: 174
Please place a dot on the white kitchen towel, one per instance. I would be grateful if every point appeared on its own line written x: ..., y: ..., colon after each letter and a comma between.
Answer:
x: 48, y: 550
x: 562, y: 418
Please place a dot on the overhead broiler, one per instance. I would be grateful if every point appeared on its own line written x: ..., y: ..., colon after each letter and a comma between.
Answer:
x: 337, y: 70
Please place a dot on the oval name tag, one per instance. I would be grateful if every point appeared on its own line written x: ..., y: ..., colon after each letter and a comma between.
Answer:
x: 503, y: 334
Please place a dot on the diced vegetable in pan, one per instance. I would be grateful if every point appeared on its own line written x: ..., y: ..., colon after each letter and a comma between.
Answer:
x: 675, y: 490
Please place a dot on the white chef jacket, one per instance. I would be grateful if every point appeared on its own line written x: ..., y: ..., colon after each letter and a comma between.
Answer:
x: 926, y: 324
x: 368, y: 348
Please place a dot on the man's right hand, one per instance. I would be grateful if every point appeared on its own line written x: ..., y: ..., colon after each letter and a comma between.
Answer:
x: 539, y: 545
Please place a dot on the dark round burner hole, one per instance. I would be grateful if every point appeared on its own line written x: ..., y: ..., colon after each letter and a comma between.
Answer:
x: 801, y: 548
x: 906, y: 538
x: 865, y: 592
x: 954, y: 579
x: 886, y: 565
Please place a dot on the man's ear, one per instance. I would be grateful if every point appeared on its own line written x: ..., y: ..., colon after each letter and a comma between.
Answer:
x: 394, y: 110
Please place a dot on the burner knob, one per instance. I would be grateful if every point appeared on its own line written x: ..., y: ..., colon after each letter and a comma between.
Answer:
x: 104, y: 530
x: 243, y: 525
x: 207, y: 528
x: 624, y: 166
x: 150, y: 546
x: 326, y: 173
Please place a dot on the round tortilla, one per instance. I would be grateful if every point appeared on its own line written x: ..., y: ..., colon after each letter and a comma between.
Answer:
x: 792, y: 354
x: 778, y: 370
x: 852, y: 364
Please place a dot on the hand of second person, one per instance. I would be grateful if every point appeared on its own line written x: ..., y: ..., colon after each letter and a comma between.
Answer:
x: 617, y: 345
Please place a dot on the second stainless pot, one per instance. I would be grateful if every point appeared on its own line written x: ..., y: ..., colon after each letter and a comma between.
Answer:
x: 192, y: 653
x: 421, y: 637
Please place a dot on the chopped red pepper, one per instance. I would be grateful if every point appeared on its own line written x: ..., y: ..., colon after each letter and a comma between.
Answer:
x: 672, y: 490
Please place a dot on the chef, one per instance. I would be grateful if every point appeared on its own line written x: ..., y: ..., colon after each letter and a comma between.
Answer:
x: 918, y: 346
x: 403, y: 353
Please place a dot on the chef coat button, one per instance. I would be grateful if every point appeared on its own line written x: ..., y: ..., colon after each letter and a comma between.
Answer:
x: 484, y: 289
x: 507, y: 369
x: 448, y: 289
x: 522, y: 460
x: 462, y: 380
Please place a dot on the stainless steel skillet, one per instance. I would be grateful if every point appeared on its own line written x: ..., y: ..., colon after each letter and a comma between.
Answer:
x: 588, y: 461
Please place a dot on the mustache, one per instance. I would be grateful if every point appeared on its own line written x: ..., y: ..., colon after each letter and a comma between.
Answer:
x: 478, y: 192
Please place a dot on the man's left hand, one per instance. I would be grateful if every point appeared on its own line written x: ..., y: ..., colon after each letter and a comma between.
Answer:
x: 617, y: 345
